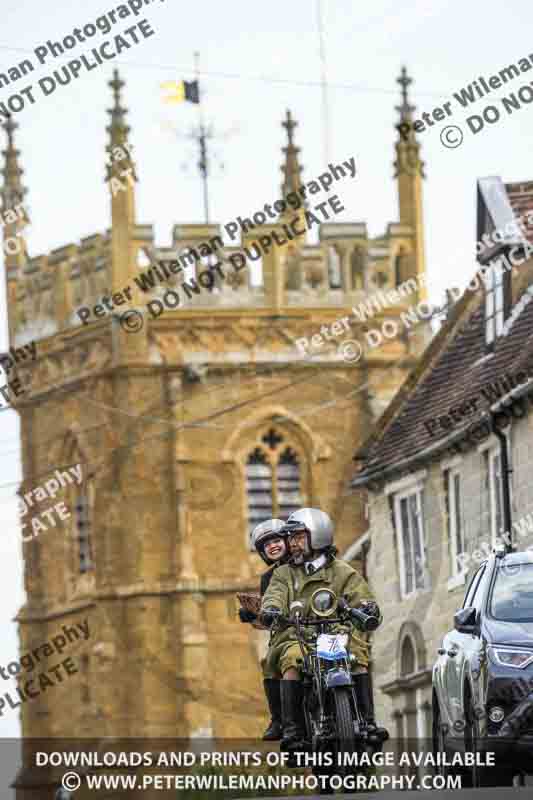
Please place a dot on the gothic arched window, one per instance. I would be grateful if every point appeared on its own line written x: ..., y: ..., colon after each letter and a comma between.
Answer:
x: 273, y: 480
x: 408, y: 657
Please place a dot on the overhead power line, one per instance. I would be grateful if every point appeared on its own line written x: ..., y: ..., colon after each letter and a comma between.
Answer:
x: 181, y: 69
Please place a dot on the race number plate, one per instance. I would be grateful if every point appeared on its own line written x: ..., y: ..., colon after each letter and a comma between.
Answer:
x: 331, y: 646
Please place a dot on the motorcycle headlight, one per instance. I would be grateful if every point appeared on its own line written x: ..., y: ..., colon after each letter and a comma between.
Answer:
x: 324, y: 602
x: 507, y: 657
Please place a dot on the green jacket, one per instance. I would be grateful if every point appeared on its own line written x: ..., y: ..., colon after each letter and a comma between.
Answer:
x: 290, y: 583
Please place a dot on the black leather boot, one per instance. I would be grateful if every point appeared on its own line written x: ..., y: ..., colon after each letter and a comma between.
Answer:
x: 366, y: 706
x: 273, y: 696
x: 292, y: 698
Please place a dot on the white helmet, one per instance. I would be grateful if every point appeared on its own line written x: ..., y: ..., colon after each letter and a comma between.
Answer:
x: 316, y: 523
x: 262, y: 533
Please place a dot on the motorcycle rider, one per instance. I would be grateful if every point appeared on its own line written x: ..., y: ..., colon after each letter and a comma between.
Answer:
x: 313, y: 565
x: 270, y: 542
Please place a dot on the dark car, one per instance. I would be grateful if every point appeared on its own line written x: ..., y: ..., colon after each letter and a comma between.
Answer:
x: 483, y: 678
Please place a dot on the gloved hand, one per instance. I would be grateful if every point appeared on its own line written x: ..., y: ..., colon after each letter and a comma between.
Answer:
x: 371, y: 608
x: 247, y: 616
x: 269, y: 616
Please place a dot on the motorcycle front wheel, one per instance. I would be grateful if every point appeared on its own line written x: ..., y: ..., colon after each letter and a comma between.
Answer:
x: 344, y: 721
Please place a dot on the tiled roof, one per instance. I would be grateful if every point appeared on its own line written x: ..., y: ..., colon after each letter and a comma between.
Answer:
x: 459, y: 373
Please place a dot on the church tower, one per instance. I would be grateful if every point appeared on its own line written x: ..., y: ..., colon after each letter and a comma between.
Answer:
x: 204, y: 420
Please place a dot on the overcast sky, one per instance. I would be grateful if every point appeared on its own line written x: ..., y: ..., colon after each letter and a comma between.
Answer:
x: 256, y: 62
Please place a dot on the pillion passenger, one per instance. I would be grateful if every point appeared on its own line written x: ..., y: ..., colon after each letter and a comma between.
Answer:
x: 270, y: 541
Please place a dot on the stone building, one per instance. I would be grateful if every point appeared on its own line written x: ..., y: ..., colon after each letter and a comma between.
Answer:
x: 190, y: 430
x: 434, y: 466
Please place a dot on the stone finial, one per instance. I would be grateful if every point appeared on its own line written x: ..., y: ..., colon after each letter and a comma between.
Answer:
x: 291, y: 169
x: 405, y: 109
x: 118, y: 128
x: 119, y: 152
x: 408, y: 159
x: 12, y: 191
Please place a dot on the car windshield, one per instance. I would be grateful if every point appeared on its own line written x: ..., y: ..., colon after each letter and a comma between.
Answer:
x: 512, y: 595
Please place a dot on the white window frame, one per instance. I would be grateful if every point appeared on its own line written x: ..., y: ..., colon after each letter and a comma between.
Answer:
x: 494, y: 303
x: 458, y: 574
x: 492, y: 447
x: 417, y: 492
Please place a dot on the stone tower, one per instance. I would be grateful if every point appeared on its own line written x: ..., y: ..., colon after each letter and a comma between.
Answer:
x: 189, y: 430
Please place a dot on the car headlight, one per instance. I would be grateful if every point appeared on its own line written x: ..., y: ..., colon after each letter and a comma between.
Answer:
x: 507, y: 657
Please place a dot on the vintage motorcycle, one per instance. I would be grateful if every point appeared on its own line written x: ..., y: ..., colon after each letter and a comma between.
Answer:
x: 334, y: 725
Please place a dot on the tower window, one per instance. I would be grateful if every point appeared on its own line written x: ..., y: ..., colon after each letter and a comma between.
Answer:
x: 400, y: 267
x: 259, y: 489
x: 357, y: 268
x: 86, y: 685
x: 334, y: 268
x: 288, y: 483
x: 273, y: 480
x: 83, y: 528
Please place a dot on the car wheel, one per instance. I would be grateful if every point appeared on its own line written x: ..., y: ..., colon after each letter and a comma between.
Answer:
x: 438, y: 738
x: 438, y: 735
x: 481, y: 776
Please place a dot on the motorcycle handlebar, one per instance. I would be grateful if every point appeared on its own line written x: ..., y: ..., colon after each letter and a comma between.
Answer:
x: 366, y: 622
x: 308, y: 621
